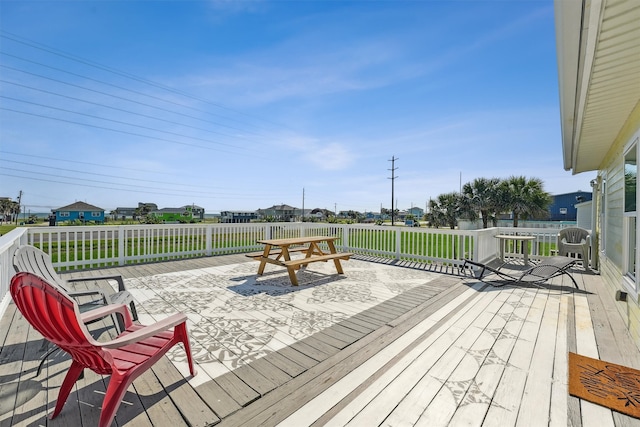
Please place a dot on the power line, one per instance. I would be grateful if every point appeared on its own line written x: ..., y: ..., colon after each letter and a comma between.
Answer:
x: 120, y: 122
x: 164, y: 120
x: 163, y: 192
x: 117, y: 97
x: 121, y: 131
x: 97, y: 174
x: 53, y: 51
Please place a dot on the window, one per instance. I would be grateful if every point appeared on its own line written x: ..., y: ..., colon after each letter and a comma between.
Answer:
x: 64, y: 214
x: 630, y: 214
x: 630, y: 178
x: 95, y: 214
x: 603, y: 217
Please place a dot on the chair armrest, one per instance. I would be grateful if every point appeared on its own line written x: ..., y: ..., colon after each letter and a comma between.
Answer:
x: 87, y: 293
x: 146, y: 331
x: 107, y: 310
x: 116, y: 277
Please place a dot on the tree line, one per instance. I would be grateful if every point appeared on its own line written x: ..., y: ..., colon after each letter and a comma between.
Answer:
x: 487, y: 198
x: 9, y: 210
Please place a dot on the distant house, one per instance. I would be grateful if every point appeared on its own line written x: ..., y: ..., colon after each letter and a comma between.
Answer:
x: 124, y: 213
x: 172, y: 214
x: 416, y: 211
x: 563, y: 206
x: 278, y: 212
x: 80, y: 211
x: 197, y: 212
x: 237, y: 216
x: 133, y: 213
x: 320, y: 214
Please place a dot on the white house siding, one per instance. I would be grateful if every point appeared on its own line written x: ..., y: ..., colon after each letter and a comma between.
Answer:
x: 612, y: 258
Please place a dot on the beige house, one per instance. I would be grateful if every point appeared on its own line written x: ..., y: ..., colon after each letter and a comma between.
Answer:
x: 598, y: 45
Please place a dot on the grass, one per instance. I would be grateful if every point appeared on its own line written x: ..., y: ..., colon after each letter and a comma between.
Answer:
x: 5, y: 228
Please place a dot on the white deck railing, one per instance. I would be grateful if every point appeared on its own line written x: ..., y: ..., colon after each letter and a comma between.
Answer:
x: 86, y: 247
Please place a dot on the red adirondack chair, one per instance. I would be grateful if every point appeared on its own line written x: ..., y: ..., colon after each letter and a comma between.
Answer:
x: 56, y: 316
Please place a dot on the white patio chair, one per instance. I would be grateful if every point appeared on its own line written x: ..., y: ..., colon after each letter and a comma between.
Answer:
x: 575, y: 240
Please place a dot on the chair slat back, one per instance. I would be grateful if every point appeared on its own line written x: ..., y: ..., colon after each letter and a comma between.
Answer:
x: 574, y: 234
x: 33, y: 260
x: 55, y: 315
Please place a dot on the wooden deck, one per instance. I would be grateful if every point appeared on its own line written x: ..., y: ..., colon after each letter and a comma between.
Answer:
x: 389, y: 345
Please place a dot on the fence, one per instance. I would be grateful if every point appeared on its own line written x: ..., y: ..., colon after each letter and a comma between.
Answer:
x: 86, y: 247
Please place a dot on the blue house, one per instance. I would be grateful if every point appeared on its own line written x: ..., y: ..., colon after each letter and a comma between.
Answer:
x: 79, y: 211
x: 563, y: 206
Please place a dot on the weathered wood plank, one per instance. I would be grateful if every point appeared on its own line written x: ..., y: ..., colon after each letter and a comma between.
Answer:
x: 298, y: 357
x: 536, y: 400
x: 261, y: 410
x: 13, y: 351
x: 558, y: 414
x: 506, y: 400
x: 291, y: 368
x: 323, y: 398
x: 376, y: 398
x: 184, y: 397
x: 31, y: 397
x: 592, y: 414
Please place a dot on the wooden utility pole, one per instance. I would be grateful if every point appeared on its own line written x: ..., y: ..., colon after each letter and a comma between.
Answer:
x: 19, y: 202
x: 392, y: 178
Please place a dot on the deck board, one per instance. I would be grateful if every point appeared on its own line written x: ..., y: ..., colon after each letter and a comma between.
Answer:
x: 448, y: 351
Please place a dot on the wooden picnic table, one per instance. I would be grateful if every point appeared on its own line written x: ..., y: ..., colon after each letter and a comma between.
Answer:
x: 278, y: 252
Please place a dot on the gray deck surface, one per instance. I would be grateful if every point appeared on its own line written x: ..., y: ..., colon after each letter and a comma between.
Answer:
x: 393, y: 344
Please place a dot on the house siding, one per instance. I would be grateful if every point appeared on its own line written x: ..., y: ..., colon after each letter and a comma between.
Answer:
x: 612, y: 253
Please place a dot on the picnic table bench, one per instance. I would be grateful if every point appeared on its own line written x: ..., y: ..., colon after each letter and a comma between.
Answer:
x: 282, y: 248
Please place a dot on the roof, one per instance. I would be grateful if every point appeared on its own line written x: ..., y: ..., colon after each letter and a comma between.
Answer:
x: 170, y: 210
x: 281, y: 208
x: 598, y: 49
x: 79, y: 206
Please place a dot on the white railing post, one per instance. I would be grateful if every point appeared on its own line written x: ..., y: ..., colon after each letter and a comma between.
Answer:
x: 208, y: 245
x: 398, y: 242
x: 8, y: 244
x: 122, y: 245
x: 345, y: 238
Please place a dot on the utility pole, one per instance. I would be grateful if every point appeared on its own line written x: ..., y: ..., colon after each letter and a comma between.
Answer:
x: 392, y: 178
x: 19, y: 201
x: 302, y: 204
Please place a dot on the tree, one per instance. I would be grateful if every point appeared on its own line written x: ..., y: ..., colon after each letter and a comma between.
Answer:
x: 445, y: 210
x: 9, y: 210
x: 525, y: 198
x: 483, y: 197
x: 142, y: 212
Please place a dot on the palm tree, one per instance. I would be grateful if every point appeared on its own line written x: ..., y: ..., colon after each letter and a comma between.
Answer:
x: 445, y: 210
x: 483, y: 196
x: 9, y: 210
x: 525, y: 198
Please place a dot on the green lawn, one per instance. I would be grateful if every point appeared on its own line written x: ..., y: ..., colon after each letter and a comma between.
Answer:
x: 4, y: 229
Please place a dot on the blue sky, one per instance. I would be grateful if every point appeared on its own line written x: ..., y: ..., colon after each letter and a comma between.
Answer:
x: 240, y: 105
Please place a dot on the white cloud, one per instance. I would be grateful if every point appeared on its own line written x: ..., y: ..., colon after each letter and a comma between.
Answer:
x: 333, y: 156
